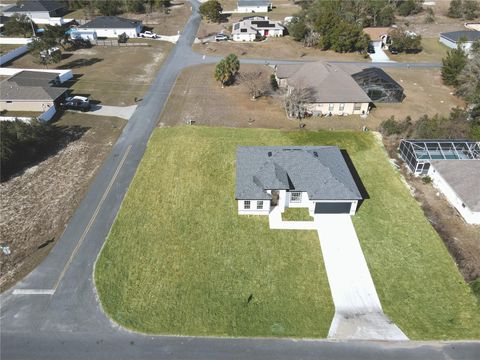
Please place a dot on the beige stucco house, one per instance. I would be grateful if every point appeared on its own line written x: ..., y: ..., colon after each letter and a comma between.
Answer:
x: 331, y: 89
x: 31, y: 91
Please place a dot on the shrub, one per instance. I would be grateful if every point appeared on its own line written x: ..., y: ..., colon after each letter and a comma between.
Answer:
x: 212, y: 11
x: 273, y: 82
x: 475, y: 285
x: 427, y: 179
x: 391, y: 127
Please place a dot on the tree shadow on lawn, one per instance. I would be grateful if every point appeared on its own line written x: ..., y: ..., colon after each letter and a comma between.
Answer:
x: 78, y: 63
x: 356, y: 178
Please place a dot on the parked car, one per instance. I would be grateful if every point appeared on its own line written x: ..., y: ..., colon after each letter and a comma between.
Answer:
x: 393, y: 50
x: 371, y: 49
x: 148, y: 34
x: 221, y: 37
x: 81, y: 103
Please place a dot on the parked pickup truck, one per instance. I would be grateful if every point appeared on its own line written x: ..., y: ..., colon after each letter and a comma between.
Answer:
x: 148, y: 34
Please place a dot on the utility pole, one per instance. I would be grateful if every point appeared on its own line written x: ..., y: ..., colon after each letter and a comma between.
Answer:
x: 31, y: 23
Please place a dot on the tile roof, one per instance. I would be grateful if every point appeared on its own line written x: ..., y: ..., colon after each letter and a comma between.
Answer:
x: 321, y: 171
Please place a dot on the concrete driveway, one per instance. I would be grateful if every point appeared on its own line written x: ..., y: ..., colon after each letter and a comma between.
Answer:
x: 124, y: 112
x: 380, y: 55
x: 358, y: 312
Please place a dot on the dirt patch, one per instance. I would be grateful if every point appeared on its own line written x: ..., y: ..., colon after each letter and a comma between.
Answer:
x: 37, y: 204
x: 274, y: 48
x: 109, y: 74
x: 460, y: 238
x: 197, y: 97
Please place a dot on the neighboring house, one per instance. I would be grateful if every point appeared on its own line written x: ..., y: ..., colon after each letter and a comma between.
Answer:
x: 418, y: 154
x: 31, y: 91
x: 112, y: 27
x: 313, y: 177
x: 252, y: 6
x: 331, y: 90
x: 3, y: 20
x: 379, y: 35
x: 454, y: 38
x: 39, y: 11
x: 459, y: 181
x: 256, y: 27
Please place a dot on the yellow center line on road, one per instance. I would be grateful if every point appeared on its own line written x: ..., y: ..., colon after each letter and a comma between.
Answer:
x: 92, y: 220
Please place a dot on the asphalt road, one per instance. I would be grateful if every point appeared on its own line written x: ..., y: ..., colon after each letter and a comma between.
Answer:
x: 54, y: 313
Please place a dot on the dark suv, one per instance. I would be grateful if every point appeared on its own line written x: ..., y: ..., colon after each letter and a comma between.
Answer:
x: 81, y: 103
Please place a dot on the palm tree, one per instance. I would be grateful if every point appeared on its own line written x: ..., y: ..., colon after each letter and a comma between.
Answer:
x: 233, y: 64
x: 222, y: 72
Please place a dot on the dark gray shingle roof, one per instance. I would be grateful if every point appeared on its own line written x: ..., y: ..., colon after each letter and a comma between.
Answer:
x: 457, y: 35
x: 111, y: 22
x: 31, y: 85
x: 33, y: 6
x: 321, y: 171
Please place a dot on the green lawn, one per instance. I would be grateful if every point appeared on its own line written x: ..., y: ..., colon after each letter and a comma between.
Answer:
x: 296, y: 214
x: 179, y: 260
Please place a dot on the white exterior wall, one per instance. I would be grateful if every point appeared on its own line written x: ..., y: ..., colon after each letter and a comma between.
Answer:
x: 112, y: 33
x: 253, y: 207
x: 244, y: 37
x: 250, y: 9
x: 349, y: 108
x: 271, y: 33
x: 26, y: 105
x: 439, y: 182
x: 453, y: 45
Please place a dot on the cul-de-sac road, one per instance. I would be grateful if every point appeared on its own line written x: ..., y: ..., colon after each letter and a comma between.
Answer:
x: 54, y: 312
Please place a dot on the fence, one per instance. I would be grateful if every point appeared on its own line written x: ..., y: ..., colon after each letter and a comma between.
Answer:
x: 13, y: 54
x: 114, y: 42
x: 14, y: 41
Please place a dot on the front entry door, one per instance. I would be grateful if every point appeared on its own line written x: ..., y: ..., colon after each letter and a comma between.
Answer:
x: 275, y: 197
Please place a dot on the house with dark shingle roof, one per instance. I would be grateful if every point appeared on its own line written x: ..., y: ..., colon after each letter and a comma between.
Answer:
x: 454, y: 38
x: 31, y: 91
x: 112, y: 26
x: 313, y: 177
x: 37, y: 10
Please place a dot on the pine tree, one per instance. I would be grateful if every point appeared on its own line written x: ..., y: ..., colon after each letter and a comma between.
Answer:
x: 452, y: 65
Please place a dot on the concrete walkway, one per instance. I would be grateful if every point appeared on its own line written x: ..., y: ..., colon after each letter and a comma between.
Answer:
x: 124, y: 112
x: 380, y: 56
x: 358, y: 312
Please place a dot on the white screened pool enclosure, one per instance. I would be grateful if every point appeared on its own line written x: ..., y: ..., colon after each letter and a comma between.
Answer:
x: 418, y: 154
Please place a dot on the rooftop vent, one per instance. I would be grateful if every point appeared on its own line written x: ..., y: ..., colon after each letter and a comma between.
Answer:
x: 269, y: 154
x: 315, y: 154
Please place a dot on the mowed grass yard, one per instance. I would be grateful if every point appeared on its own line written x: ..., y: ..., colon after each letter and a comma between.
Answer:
x: 179, y: 260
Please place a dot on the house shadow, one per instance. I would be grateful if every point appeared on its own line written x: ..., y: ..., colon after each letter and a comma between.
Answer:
x: 356, y: 178
x: 78, y: 63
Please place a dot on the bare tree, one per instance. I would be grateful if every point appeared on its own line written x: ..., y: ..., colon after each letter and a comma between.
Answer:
x: 296, y: 101
x: 255, y: 82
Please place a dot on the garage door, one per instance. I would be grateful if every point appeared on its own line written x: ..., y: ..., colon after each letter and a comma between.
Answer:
x: 333, y: 208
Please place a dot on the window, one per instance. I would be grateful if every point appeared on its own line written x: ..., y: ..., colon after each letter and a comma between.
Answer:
x: 341, y: 107
x: 357, y: 107
x: 246, y: 204
x: 296, y: 197
x: 330, y: 107
x: 259, y: 205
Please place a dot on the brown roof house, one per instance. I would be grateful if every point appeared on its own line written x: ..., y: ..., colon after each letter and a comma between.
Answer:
x: 328, y: 89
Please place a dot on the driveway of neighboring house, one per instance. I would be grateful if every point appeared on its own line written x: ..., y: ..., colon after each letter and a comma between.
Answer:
x: 124, y: 112
x: 358, y: 312
x: 380, y: 55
